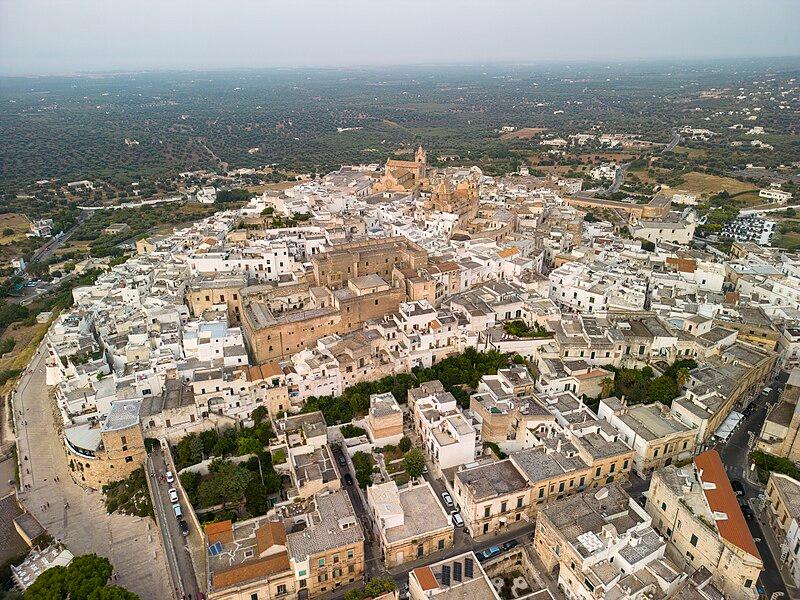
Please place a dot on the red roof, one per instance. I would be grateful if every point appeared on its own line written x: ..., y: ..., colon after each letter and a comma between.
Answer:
x: 426, y: 579
x: 722, y: 499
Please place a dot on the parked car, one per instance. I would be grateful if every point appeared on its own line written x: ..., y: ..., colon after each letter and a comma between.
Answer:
x: 737, y: 487
x: 457, y: 520
x: 348, y: 479
x: 184, y: 527
x: 448, y: 500
x: 489, y: 553
x: 746, y: 511
x: 509, y: 545
x: 173, y: 495
x: 342, y: 460
x: 170, y: 477
x: 178, y: 511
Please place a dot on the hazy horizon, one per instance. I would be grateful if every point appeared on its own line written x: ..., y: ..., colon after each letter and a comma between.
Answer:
x: 39, y: 37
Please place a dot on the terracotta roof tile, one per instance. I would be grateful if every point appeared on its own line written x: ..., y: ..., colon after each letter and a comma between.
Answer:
x: 268, y: 535
x: 220, y: 532
x: 426, y: 578
x: 723, y: 499
x: 256, y: 569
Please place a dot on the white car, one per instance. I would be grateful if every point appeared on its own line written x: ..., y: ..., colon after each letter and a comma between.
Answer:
x: 170, y: 477
x: 448, y: 500
x: 178, y: 511
x: 173, y: 495
x: 457, y: 520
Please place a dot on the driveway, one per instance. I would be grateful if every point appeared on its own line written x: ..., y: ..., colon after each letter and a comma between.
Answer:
x: 76, y: 516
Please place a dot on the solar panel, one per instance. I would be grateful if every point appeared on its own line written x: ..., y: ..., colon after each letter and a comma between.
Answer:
x: 457, y: 571
x: 446, y: 575
x: 468, y: 568
x: 215, y: 548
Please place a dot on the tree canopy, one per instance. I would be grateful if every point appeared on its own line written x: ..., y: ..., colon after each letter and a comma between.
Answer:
x: 84, y: 579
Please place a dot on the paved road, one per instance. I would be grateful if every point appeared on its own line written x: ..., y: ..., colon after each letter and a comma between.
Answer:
x: 676, y: 139
x: 70, y: 513
x: 176, y: 544
x: 735, y: 456
x: 50, y: 247
x: 373, y: 561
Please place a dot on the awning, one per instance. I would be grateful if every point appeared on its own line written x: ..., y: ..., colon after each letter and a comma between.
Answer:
x: 725, y: 430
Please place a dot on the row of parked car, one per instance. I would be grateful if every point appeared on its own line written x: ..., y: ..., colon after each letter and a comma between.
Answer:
x: 176, y: 505
x: 455, y: 514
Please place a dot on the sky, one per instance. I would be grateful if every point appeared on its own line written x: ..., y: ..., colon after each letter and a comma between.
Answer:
x: 77, y: 36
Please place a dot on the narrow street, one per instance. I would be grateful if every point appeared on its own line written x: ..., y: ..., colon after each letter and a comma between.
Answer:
x: 175, y: 542
x: 735, y: 455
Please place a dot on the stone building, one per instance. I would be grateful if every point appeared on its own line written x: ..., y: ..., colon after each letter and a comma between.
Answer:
x: 328, y: 552
x: 102, y: 453
x: 249, y: 560
x: 208, y: 293
x: 696, y: 509
x: 409, y: 523
x: 401, y: 175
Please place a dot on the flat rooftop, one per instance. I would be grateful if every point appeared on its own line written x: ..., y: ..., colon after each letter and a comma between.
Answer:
x: 492, y: 480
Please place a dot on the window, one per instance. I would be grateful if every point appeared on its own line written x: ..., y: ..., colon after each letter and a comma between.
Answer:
x: 487, y: 511
x: 541, y: 492
x: 663, y: 506
x: 321, y: 562
x: 504, y: 507
x: 748, y: 583
x: 519, y: 502
x: 485, y: 528
x: 441, y: 545
x: 281, y: 589
x: 625, y: 465
x: 350, y: 553
x: 253, y: 596
x: 561, y: 487
x: 693, y: 540
x: 613, y: 467
x: 335, y: 558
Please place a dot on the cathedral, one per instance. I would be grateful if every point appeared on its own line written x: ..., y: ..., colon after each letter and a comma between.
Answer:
x: 404, y: 175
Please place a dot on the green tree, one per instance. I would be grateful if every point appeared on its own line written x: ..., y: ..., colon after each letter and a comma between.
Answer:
x: 225, y: 483
x: 248, y: 445
x: 414, y: 462
x: 258, y: 415
x: 50, y: 585
x: 113, y: 592
x: 189, y: 451
x: 379, y: 585
x: 365, y: 466
x: 405, y: 444
x: 663, y: 389
x: 85, y: 574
